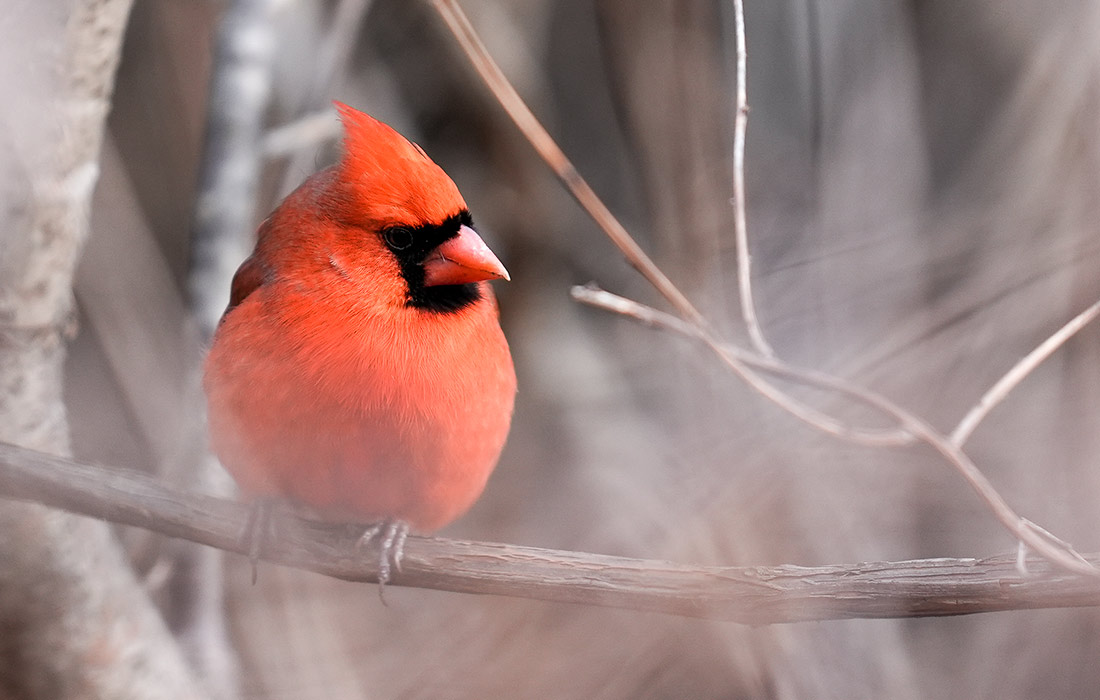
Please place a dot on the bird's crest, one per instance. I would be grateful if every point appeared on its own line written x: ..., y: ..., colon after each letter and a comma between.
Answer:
x: 390, y: 177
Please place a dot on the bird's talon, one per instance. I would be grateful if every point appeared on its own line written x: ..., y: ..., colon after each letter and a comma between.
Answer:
x: 399, y: 545
x: 391, y: 536
x: 257, y: 529
x: 368, y: 535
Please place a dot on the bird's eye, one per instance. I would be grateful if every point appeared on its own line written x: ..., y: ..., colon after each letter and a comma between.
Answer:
x: 397, y: 237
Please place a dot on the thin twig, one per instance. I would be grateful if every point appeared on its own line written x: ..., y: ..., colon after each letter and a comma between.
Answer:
x: 592, y: 295
x: 301, y: 134
x: 333, y: 54
x: 1035, y: 537
x: 740, y: 228
x: 1014, y: 376
x: 335, y: 48
x: 752, y: 595
x: 544, y: 144
x: 1054, y: 550
x: 891, y: 437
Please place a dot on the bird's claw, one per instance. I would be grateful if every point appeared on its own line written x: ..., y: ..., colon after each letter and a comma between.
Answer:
x: 259, y: 527
x: 391, y: 536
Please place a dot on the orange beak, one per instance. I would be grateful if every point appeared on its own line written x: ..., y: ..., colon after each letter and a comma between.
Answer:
x: 462, y: 259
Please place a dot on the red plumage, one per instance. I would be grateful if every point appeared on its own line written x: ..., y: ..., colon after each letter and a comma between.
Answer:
x: 360, y: 369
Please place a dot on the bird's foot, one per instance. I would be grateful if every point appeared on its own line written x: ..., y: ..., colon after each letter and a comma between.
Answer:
x: 258, y: 530
x: 391, y: 536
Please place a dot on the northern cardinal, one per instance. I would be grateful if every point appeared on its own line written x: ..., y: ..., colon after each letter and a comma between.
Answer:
x: 360, y: 369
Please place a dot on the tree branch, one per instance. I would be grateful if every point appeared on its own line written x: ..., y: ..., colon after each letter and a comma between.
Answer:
x: 225, y: 203
x: 751, y: 595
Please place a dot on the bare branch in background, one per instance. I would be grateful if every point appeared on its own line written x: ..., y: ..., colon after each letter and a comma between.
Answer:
x: 1004, y: 386
x: 598, y: 298
x: 153, y: 350
x: 544, y: 144
x: 740, y: 227
x: 751, y: 595
x: 554, y: 157
x: 222, y: 236
x: 225, y: 206
x: 334, y: 51
x: 307, y: 132
x: 1041, y: 541
x: 300, y: 138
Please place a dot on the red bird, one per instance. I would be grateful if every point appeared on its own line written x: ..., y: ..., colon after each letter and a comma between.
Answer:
x: 360, y: 369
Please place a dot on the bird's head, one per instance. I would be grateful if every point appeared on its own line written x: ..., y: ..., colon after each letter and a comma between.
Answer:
x: 402, y: 209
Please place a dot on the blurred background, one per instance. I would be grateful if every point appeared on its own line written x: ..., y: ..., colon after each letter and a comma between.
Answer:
x: 923, y: 209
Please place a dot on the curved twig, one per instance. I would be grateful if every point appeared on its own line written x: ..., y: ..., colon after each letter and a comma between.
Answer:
x: 592, y: 295
x: 913, y: 427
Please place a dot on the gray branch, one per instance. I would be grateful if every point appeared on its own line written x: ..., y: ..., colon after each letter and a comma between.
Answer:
x: 232, y: 157
x: 751, y: 595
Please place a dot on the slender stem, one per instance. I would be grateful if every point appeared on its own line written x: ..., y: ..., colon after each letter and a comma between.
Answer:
x: 997, y: 393
x: 1039, y: 540
x: 740, y: 228
x: 544, y: 144
x: 333, y: 56
x: 889, y: 437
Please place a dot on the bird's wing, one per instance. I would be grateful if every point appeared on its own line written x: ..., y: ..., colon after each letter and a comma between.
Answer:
x: 250, y: 275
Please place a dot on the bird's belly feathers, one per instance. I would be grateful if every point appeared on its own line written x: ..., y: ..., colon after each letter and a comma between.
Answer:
x: 363, y: 439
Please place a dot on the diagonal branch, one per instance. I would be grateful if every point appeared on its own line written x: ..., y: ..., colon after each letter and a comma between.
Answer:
x: 997, y: 393
x: 552, y: 154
